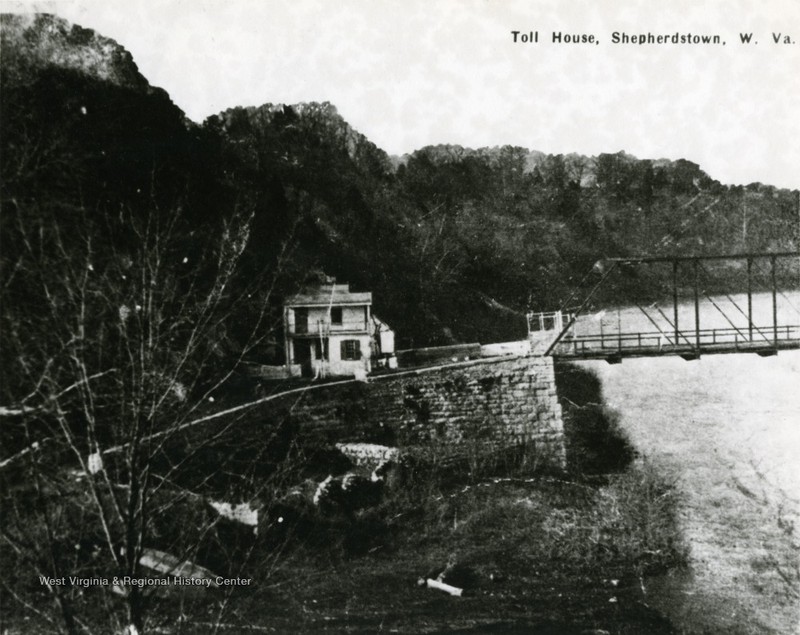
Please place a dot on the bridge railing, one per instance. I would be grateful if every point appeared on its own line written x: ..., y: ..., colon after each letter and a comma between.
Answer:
x: 720, y: 339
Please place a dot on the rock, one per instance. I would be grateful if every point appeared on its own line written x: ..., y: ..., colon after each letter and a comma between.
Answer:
x: 348, y: 493
x: 45, y: 40
x: 369, y: 455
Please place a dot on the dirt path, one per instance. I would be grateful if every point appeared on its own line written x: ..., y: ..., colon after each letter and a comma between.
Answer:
x: 727, y: 428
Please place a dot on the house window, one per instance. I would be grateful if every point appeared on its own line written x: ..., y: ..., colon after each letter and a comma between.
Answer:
x: 336, y: 315
x: 351, y: 349
x: 301, y: 320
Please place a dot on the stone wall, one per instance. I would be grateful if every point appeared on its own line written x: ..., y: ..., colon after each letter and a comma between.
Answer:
x: 500, y: 402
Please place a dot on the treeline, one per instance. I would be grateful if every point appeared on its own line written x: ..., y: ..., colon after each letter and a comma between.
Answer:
x: 456, y: 244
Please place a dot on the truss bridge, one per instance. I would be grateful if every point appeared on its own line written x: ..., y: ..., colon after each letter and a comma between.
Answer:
x: 691, y: 306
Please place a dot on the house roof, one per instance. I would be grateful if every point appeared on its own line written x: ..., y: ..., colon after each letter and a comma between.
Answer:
x: 380, y: 325
x: 329, y: 294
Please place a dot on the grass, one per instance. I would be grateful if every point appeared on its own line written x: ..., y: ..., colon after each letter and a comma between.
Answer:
x: 535, y: 554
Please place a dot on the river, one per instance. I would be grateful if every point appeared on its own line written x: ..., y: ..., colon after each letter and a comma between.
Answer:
x: 726, y: 428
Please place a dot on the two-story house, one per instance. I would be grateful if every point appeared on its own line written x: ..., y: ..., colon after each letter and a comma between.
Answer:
x: 329, y: 330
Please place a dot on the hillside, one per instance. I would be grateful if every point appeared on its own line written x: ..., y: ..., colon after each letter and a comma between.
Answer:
x: 455, y: 243
x: 39, y: 41
x: 479, y: 236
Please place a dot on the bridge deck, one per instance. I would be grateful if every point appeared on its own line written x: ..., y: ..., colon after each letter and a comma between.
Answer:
x: 687, y: 344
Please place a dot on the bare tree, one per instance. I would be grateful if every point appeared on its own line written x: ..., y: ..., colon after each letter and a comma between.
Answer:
x: 118, y: 332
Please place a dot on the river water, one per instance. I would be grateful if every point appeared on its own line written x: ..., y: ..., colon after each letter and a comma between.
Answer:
x: 719, y: 312
x: 726, y: 428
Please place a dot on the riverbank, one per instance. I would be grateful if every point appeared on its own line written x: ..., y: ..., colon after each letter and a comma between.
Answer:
x: 538, y: 555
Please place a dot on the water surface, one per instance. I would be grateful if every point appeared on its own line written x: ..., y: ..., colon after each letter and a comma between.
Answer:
x: 726, y: 428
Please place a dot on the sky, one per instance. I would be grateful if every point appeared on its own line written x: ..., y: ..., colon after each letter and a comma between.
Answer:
x: 412, y: 73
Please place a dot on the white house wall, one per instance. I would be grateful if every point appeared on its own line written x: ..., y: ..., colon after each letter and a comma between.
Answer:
x: 339, y: 366
x: 386, y: 339
x: 354, y: 318
x: 357, y: 323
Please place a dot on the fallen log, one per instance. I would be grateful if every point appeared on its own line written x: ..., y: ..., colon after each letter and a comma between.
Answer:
x: 436, y: 584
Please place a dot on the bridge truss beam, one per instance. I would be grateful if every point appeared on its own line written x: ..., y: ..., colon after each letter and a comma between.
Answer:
x: 705, y: 340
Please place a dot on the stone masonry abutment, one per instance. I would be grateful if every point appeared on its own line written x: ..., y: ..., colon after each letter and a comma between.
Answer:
x: 498, y: 402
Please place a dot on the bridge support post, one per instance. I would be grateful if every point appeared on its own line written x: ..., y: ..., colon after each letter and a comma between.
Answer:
x: 675, y: 297
x: 697, y: 305
x: 774, y: 303
x: 750, y: 297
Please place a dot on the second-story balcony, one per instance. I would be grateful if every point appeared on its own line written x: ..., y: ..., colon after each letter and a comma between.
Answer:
x: 312, y: 327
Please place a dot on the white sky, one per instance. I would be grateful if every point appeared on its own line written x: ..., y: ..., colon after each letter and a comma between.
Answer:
x: 417, y: 72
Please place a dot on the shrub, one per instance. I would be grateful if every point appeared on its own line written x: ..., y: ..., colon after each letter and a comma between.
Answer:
x: 595, y: 442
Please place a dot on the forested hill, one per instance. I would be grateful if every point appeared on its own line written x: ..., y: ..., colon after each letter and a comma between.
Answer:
x: 457, y: 243
x: 454, y: 243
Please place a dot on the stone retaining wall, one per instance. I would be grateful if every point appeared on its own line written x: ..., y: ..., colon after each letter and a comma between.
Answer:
x: 497, y: 403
